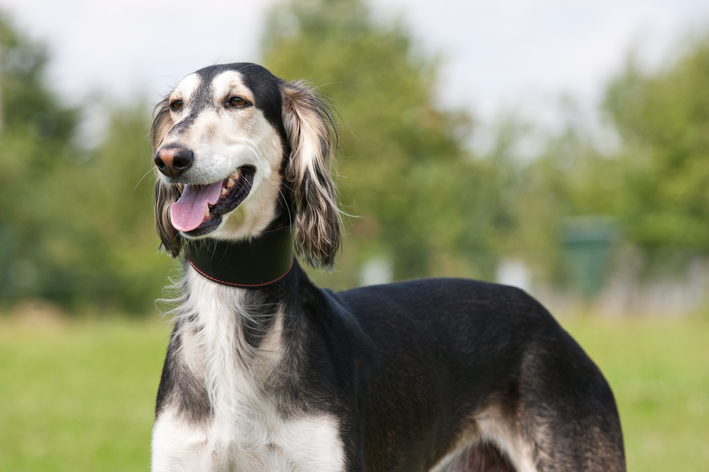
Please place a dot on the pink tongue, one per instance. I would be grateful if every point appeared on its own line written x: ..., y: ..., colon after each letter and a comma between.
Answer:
x: 187, y: 213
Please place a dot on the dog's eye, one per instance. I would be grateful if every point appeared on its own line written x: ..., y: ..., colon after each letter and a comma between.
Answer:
x: 238, y: 102
x: 176, y: 105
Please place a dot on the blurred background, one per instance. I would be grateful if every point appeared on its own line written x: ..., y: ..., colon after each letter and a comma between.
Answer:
x: 562, y: 148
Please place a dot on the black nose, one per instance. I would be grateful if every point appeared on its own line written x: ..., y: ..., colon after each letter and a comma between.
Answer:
x: 173, y: 161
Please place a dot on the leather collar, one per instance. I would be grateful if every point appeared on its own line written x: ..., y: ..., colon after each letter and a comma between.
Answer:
x: 251, y: 263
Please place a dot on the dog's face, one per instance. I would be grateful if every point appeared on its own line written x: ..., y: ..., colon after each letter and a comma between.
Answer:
x: 236, y: 148
x: 225, y: 152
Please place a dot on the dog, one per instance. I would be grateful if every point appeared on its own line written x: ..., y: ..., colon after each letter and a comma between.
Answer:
x: 267, y: 372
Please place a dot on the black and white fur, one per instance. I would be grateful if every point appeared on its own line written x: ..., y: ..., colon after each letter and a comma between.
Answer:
x: 443, y: 375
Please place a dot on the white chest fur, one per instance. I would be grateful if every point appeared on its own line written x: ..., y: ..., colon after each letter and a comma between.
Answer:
x: 246, y: 432
x: 309, y: 444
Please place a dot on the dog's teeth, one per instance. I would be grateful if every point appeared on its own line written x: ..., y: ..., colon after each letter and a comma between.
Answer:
x: 230, y: 183
x: 206, y: 213
x: 224, y: 191
x: 235, y: 175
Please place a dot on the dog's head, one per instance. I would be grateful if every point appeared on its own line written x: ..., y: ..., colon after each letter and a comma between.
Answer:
x: 240, y: 151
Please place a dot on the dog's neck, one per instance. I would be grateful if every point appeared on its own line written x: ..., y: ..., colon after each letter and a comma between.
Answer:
x: 252, y: 263
x: 232, y: 331
x: 235, y: 290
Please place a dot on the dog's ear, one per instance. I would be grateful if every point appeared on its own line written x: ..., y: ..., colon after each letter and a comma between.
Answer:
x: 312, y: 137
x: 165, y: 195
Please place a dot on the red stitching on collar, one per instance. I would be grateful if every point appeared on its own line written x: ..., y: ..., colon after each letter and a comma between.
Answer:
x: 241, y: 285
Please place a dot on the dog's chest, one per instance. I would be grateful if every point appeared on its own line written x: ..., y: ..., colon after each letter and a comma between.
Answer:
x: 246, y: 432
x: 254, y: 442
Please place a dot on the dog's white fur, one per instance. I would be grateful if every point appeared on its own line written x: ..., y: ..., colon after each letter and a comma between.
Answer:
x: 246, y: 432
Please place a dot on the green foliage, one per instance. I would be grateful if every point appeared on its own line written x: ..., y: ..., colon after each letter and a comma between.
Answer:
x: 75, y: 226
x: 403, y: 167
x: 655, y: 185
x: 33, y: 146
x: 103, y: 230
x: 419, y: 194
x: 663, y: 118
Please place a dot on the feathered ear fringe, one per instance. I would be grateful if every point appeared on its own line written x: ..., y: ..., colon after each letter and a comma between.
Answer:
x: 165, y: 195
x: 312, y: 136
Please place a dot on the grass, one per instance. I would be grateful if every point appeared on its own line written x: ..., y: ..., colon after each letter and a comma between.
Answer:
x: 78, y: 395
x: 659, y: 372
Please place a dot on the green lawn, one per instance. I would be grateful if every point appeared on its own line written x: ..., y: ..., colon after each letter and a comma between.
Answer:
x: 659, y: 372
x: 78, y: 396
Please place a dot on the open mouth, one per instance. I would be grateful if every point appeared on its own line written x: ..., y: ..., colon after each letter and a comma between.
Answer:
x: 200, y: 208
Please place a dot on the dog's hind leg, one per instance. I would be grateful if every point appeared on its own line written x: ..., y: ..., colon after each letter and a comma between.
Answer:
x: 562, y: 411
x: 557, y: 415
x: 480, y: 457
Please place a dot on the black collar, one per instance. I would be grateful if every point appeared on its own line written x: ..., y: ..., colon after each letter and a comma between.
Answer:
x: 250, y: 264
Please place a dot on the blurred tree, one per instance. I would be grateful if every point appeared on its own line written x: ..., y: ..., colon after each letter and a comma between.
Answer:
x: 435, y: 208
x: 75, y: 224
x: 663, y: 118
x: 403, y: 166
x: 104, y: 230
x: 33, y: 145
x: 655, y: 184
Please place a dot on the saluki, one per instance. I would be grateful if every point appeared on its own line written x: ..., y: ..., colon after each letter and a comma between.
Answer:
x: 267, y: 372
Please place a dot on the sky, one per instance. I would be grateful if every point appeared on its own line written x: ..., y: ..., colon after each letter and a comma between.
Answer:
x: 496, y: 54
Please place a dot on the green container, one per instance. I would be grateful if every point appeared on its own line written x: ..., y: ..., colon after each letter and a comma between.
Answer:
x: 587, y: 243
